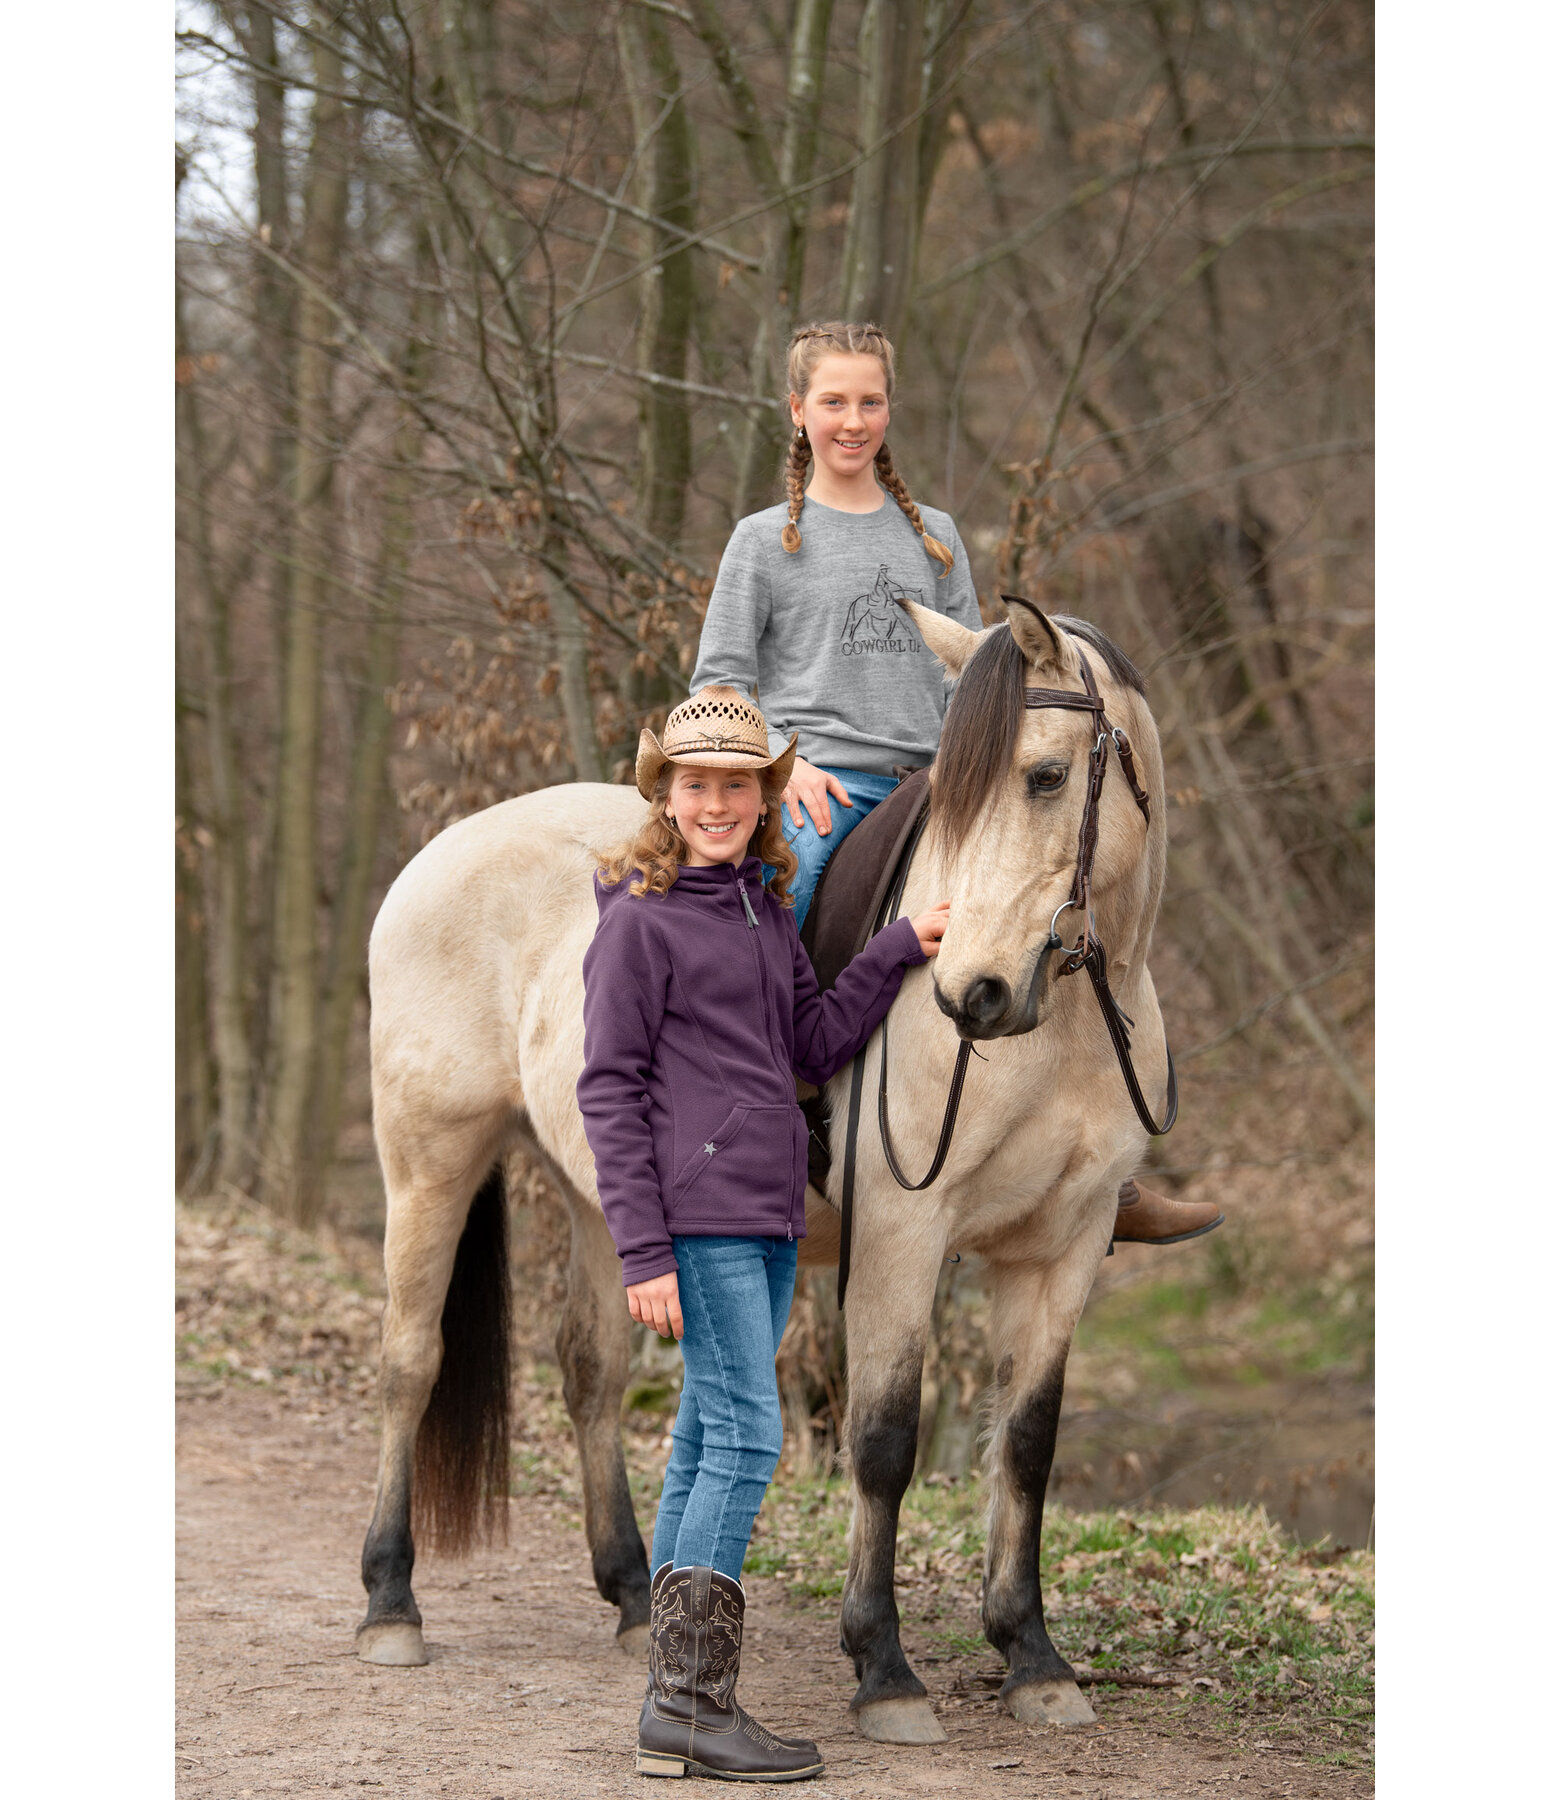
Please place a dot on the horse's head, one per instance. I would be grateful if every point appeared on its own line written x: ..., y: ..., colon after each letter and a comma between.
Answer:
x: 1007, y: 794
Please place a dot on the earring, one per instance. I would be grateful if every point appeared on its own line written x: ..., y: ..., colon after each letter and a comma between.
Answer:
x: 801, y: 431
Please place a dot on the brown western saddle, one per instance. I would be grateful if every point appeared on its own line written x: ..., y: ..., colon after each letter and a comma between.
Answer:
x: 843, y: 915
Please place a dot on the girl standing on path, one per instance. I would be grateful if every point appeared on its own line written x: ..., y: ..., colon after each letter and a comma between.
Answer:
x: 803, y: 612
x: 700, y: 1002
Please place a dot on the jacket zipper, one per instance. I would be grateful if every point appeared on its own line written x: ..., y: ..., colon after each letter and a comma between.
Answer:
x: 758, y: 950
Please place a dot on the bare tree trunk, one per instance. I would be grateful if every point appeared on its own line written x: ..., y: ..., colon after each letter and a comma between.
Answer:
x: 274, y: 320
x: 946, y: 28
x: 570, y: 649
x: 785, y: 251
x: 880, y: 236
x: 195, y: 1078
x: 466, y: 56
x: 287, y: 1175
x: 344, y: 983
x: 226, y: 915
x: 664, y: 149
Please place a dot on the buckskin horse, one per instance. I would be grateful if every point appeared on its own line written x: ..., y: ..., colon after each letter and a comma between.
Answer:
x: 476, y: 1044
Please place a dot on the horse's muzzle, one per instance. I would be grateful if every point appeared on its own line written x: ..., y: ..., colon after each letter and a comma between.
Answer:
x: 989, y: 1008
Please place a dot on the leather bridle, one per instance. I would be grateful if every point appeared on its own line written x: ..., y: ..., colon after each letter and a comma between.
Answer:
x: 1086, y: 953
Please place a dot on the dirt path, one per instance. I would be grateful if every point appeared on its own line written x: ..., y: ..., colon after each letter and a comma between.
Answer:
x: 525, y: 1692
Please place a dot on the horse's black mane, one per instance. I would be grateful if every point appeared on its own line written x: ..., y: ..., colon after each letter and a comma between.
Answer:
x: 985, y: 717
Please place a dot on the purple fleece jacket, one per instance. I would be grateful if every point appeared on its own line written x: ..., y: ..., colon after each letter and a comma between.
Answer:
x: 695, y: 1019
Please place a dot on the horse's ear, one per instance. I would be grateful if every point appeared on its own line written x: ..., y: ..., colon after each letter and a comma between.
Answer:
x: 1043, y: 647
x: 949, y: 642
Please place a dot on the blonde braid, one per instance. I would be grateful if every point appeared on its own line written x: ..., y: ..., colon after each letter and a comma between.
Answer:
x: 891, y: 479
x: 798, y: 459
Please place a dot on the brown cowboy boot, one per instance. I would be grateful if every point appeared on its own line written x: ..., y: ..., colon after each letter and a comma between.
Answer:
x: 691, y: 1723
x: 1145, y: 1217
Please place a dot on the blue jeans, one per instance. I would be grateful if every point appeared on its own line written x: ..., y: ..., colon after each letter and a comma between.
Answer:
x: 812, y: 850
x: 735, y: 1294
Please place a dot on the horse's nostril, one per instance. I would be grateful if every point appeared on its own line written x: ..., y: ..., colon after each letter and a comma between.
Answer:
x: 986, y: 1000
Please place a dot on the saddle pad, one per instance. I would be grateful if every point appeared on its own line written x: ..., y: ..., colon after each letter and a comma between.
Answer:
x: 839, y: 921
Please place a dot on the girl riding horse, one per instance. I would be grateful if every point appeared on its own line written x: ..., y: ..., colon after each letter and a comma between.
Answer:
x: 850, y: 673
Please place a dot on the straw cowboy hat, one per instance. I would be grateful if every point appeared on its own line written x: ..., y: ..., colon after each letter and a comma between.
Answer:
x: 715, y: 728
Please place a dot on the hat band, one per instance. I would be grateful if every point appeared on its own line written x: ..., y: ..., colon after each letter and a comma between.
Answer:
x: 719, y: 745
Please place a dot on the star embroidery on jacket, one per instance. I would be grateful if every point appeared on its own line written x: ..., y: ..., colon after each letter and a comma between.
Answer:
x: 710, y: 1149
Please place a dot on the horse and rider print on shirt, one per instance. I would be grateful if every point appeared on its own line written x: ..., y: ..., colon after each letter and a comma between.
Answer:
x: 876, y: 622
x: 820, y: 634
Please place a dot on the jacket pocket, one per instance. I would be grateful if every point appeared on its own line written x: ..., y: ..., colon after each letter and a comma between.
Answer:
x: 748, y: 1157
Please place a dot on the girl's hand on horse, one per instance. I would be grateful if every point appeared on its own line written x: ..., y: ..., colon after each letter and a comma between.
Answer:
x: 811, y: 788
x: 929, y: 927
x: 655, y: 1303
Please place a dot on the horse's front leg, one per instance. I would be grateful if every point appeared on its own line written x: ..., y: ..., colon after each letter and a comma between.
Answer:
x: 887, y: 1318
x: 1034, y: 1310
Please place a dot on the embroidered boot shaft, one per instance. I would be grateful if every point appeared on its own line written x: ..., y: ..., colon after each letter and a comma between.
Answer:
x: 690, y: 1722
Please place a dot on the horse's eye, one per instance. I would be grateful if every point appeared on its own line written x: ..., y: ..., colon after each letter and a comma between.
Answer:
x: 1047, y: 777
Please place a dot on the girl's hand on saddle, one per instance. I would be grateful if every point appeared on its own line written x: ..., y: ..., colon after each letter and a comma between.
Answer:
x: 655, y: 1303
x: 929, y: 926
x: 811, y: 788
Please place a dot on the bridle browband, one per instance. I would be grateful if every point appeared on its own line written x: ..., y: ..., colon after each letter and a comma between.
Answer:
x: 1087, y: 953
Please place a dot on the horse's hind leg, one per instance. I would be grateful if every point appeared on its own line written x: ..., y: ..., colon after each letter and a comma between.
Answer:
x: 439, y: 1201
x: 1034, y: 1310
x: 593, y: 1344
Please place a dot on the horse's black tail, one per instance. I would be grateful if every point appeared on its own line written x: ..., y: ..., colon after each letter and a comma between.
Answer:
x: 462, y: 1453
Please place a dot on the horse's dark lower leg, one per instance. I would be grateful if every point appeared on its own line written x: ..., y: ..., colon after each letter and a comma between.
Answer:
x: 391, y: 1628
x: 1033, y: 1314
x: 1014, y: 1601
x: 887, y: 1320
x: 593, y: 1344
x: 431, y: 1230
x: 881, y: 1432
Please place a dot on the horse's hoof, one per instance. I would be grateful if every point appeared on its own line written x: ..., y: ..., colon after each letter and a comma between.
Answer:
x: 1050, y: 1703
x: 909, y: 1721
x: 634, y: 1639
x: 394, y: 1644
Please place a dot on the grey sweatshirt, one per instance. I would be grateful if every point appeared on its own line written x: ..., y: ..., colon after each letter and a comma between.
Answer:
x: 833, y: 657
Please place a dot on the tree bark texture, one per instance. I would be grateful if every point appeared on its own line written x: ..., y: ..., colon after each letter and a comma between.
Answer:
x: 885, y: 197
x: 344, y: 982
x: 287, y: 1175
x: 664, y: 153
x: 785, y: 252
x: 195, y: 1079
x: 226, y: 912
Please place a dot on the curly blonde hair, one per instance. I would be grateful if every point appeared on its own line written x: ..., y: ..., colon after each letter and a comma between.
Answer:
x: 807, y: 349
x: 655, y: 854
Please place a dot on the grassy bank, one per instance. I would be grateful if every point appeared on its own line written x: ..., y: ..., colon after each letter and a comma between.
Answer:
x: 1214, y: 1602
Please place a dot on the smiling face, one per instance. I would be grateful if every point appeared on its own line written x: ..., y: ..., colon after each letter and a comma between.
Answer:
x: 845, y: 414
x: 716, y: 811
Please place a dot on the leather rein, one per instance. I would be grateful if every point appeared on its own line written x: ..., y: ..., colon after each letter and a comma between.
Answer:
x: 1087, y: 953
